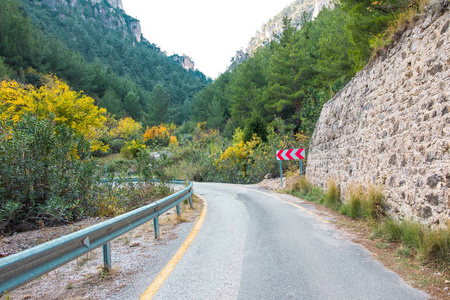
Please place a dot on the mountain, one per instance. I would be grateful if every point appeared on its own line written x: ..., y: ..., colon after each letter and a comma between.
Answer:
x: 275, y: 25
x: 104, y: 34
x: 319, y: 5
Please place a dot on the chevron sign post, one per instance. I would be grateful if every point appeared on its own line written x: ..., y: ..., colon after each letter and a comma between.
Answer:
x: 290, y: 154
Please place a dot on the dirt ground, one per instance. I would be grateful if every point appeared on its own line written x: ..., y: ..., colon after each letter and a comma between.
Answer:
x: 84, y: 278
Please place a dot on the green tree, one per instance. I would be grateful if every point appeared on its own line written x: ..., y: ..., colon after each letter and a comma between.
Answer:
x: 159, y: 105
x: 111, y: 102
x: 284, y: 93
x: 255, y: 125
x: 132, y: 106
x: 247, y: 87
x: 367, y: 19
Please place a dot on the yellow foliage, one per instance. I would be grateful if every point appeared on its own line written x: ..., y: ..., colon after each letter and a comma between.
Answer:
x: 126, y: 128
x: 161, y: 132
x: 110, y: 207
x: 238, y: 135
x: 131, y: 149
x: 173, y: 140
x: 201, y: 126
x: 301, y: 136
x: 238, y: 155
x: 55, y: 100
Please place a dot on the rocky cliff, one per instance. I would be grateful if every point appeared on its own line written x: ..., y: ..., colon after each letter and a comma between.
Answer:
x: 185, y: 61
x: 390, y: 126
x: 319, y: 5
x: 275, y: 26
x: 110, y: 12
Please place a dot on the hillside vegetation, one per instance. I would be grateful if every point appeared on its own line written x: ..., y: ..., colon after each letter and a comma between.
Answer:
x: 112, y: 67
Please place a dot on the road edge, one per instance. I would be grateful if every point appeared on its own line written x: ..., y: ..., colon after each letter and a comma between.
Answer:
x: 165, y: 272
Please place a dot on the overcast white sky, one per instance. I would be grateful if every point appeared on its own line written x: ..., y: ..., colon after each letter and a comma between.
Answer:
x: 209, y: 31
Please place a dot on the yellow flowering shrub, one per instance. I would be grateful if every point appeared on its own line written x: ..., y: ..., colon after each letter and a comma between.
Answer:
x: 161, y: 134
x: 125, y: 128
x: 173, y: 140
x: 239, y: 155
x: 109, y: 207
x: 131, y: 149
x: 55, y: 99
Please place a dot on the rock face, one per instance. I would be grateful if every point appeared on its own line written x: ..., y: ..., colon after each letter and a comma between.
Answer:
x: 390, y: 126
x: 275, y: 26
x: 239, y: 58
x: 110, y: 12
x: 319, y: 5
x: 113, y: 3
x: 185, y: 61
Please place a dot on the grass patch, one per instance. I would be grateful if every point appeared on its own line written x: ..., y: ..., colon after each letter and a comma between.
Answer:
x: 435, y: 248
x: 403, y: 20
x: 382, y: 246
x: 302, y: 188
x: 332, y: 196
x: 364, y: 204
x: 353, y: 207
x: 404, y: 251
x: 432, y: 245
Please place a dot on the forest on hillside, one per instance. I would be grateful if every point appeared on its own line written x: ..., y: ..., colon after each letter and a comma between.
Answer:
x: 303, y: 68
x: 118, y: 71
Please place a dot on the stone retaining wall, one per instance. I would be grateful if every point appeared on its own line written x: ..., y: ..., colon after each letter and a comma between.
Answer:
x: 390, y: 126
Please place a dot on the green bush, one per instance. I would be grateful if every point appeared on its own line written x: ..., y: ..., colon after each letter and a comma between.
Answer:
x: 46, y: 172
x: 131, y: 149
x: 120, y: 165
x: 116, y: 145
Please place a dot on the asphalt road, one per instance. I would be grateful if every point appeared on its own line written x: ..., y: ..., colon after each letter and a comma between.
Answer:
x: 256, y: 245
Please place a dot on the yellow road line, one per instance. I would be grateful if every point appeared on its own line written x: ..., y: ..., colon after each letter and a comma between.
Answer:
x: 308, y: 211
x: 164, y: 274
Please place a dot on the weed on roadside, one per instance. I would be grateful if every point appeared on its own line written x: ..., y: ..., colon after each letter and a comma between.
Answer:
x: 332, y: 196
x: 304, y: 189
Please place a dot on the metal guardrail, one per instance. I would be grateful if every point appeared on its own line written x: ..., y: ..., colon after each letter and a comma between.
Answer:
x: 22, y: 267
x: 136, y: 179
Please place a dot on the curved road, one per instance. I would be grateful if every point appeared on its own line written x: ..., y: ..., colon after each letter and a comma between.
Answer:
x: 260, y: 245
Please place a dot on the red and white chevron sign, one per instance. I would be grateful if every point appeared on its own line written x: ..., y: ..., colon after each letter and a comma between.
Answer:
x: 290, y: 154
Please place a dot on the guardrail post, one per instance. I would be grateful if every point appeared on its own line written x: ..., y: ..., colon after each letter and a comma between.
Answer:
x: 281, y: 174
x: 156, y: 227
x: 107, y: 256
x: 190, y: 202
x: 178, y: 210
